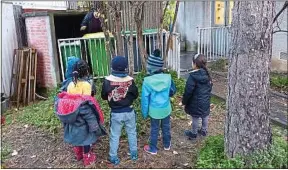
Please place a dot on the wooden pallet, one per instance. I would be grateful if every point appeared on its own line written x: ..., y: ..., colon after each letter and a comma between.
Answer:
x: 32, y: 76
x: 24, y: 76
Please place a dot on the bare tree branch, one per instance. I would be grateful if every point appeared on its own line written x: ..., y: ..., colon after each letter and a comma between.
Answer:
x: 280, y: 12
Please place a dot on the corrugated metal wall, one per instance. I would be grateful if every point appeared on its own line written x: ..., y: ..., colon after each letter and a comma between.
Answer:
x: 8, y: 44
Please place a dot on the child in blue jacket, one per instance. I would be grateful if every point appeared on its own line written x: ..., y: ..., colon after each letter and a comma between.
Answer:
x: 157, y: 89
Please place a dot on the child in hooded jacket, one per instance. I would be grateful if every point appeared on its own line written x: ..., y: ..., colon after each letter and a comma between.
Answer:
x: 157, y: 89
x: 196, y: 98
x: 120, y: 90
x: 80, y: 114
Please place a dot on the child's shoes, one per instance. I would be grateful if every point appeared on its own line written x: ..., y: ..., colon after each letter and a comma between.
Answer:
x: 202, y: 132
x: 167, y: 148
x: 190, y: 135
x: 89, y: 158
x: 149, y: 150
x: 114, y: 160
x: 78, y: 150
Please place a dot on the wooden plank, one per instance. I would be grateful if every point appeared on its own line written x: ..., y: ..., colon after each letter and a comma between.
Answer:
x: 35, y: 75
x: 30, y: 58
x: 20, y: 26
x: 19, y: 78
x: 26, y: 59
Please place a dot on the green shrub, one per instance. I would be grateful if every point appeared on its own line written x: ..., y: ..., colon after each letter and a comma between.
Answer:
x: 279, y: 81
x: 6, y: 150
x: 212, y: 156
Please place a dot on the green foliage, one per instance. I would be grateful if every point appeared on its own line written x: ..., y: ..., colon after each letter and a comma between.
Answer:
x: 169, y: 14
x: 279, y: 81
x: 212, y: 156
x: 219, y: 65
x: 6, y: 150
x: 41, y: 114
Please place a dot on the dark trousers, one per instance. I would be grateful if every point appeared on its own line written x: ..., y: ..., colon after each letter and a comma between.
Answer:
x: 155, y: 127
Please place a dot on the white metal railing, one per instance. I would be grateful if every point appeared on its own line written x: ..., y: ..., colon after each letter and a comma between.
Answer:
x: 214, y: 42
x: 93, y: 51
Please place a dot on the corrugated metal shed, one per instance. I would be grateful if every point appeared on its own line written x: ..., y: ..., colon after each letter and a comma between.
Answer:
x: 8, y: 44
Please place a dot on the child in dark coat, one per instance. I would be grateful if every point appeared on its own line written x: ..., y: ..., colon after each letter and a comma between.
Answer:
x: 196, y: 98
x: 120, y: 90
x: 80, y: 114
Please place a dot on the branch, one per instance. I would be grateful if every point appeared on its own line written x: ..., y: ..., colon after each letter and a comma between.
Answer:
x: 280, y: 12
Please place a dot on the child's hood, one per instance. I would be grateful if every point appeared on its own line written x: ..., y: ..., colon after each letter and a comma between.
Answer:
x: 158, y: 82
x: 200, y: 76
x: 67, y: 109
x: 68, y: 106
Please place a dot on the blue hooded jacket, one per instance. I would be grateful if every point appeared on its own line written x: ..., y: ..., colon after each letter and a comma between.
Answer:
x: 156, y: 92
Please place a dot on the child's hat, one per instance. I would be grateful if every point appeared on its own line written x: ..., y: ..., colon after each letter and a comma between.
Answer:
x: 119, y: 63
x: 155, y: 62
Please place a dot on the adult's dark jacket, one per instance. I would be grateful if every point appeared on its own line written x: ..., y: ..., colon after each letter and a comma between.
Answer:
x: 196, y: 97
x: 93, y: 24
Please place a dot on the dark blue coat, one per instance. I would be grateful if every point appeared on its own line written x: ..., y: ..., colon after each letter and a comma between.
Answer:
x: 196, y: 97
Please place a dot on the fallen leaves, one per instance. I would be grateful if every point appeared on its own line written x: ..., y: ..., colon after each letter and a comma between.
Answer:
x: 14, y: 153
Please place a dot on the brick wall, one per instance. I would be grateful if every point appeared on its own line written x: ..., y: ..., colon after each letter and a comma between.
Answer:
x: 38, y: 36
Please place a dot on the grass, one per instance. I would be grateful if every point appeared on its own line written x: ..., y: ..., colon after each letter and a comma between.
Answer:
x: 212, y: 156
x: 6, y: 150
x: 279, y: 82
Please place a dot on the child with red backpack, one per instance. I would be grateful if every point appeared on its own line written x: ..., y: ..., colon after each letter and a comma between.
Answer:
x: 80, y: 114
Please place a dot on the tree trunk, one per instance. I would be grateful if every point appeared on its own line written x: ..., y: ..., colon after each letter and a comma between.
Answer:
x: 131, y: 54
x: 138, y: 17
x: 159, y: 39
x: 104, y: 24
x: 130, y: 43
x: 118, y: 28
x: 247, y: 126
x: 169, y: 42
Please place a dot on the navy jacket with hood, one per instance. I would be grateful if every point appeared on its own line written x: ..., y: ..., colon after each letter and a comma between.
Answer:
x: 196, y: 97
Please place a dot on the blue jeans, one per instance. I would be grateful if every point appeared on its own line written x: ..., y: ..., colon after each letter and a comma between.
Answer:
x: 117, y: 121
x: 155, y: 127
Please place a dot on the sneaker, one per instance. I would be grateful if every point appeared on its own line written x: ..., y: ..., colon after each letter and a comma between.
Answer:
x: 190, y: 135
x: 89, y: 158
x: 78, y: 150
x: 149, y: 150
x: 114, y: 160
x: 202, y: 132
x: 134, y: 156
x: 167, y: 148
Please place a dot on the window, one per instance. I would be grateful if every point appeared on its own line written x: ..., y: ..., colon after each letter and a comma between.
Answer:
x: 223, y: 12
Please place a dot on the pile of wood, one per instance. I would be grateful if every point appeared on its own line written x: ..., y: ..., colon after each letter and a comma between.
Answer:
x: 23, y: 79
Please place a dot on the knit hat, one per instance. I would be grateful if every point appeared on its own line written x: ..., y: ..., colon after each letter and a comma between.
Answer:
x: 119, y: 63
x: 154, y: 62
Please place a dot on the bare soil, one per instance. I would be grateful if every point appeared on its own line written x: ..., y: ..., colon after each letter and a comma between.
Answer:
x: 38, y: 149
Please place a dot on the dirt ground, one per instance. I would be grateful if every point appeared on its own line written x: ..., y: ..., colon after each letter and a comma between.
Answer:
x: 39, y: 149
